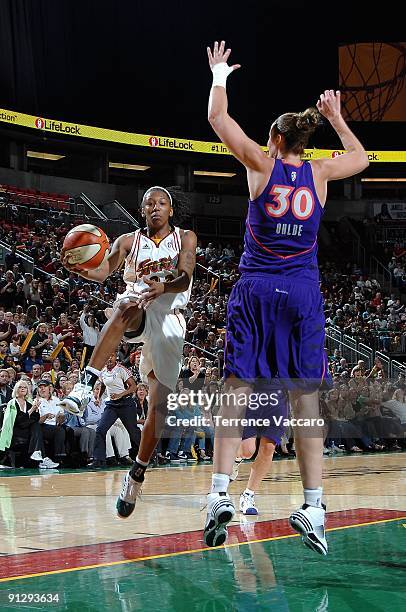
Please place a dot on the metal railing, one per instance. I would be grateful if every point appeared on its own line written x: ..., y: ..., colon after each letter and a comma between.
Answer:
x: 368, y: 353
x: 358, y: 250
x: 212, y: 355
x: 381, y: 273
x: 353, y: 350
x: 397, y: 369
x: 348, y: 346
x: 116, y: 211
x: 216, y: 274
x: 26, y: 258
x: 386, y: 362
x: 83, y: 198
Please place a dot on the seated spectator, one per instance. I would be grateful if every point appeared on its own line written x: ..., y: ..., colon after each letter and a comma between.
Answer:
x: 3, y: 350
x: 181, y: 436
x: 5, y: 389
x: 21, y: 425
x: 14, y: 347
x: 32, y: 316
x: 7, y: 326
x: 340, y: 430
x: 85, y: 435
x: 40, y: 340
x: 193, y: 374
x: 142, y: 404
x: 22, y: 327
x: 36, y: 375
x: 30, y: 360
x: 397, y: 406
x: 8, y: 290
x: 51, y: 419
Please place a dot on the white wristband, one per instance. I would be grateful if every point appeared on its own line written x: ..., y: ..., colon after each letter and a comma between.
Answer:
x: 220, y: 74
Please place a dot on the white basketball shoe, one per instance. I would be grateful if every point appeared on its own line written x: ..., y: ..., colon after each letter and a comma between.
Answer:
x: 309, y: 522
x: 220, y: 511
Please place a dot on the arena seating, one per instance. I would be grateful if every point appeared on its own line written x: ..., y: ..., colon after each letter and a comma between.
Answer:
x: 34, y: 197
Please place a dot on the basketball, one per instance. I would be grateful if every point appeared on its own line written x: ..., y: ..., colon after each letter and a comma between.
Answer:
x: 86, y: 246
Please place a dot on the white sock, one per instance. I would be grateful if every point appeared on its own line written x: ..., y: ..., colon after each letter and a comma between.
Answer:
x: 138, y: 460
x: 313, y: 496
x: 219, y: 483
x: 93, y: 370
x: 249, y: 492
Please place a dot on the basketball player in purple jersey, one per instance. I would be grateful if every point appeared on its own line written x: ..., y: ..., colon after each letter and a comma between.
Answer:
x: 275, y: 326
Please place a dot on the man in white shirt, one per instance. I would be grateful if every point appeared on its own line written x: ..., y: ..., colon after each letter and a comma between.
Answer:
x: 397, y: 405
x: 120, y: 387
x: 92, y: 416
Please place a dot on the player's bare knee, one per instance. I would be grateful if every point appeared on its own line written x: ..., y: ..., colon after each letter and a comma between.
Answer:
x: 266, y: 449
x: 247, y: 448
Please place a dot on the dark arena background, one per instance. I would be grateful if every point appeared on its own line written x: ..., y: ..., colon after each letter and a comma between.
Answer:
x: 99, y: 101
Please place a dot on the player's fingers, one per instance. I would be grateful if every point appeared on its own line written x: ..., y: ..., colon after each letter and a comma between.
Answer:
x: 236, y: 66
x: 209, y: 54
x: 222, y: 45
x: 216, y: 48
x: 226, y: 55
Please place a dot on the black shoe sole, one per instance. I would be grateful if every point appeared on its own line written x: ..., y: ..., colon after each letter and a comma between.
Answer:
x: 215, y: 533
x: 314, y: 545
x: 124, y: 509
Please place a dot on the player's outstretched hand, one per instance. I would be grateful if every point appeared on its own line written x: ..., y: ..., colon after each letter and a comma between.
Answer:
x: 329, y: 104
x: 66, y: 263
x: 220, y: 55
x: 155, y: 289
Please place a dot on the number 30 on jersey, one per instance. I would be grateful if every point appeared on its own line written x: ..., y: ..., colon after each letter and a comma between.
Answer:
x: 301, y: 202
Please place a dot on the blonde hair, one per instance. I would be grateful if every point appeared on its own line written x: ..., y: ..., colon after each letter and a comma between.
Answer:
x: 398, y: 395
x: 18, y: 384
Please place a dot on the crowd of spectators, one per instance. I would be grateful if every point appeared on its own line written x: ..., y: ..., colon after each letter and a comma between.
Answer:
x: 364, y: 411
x: 357, y: 305
x: 397, y: 266
x: 50, y: 321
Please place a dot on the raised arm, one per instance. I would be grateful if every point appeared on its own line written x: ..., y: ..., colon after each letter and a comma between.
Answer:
x: 119, y: 251
x: 247, y: 151
x: 356, y: 158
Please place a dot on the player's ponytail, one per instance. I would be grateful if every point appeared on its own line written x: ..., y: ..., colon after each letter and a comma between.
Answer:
x: 296, y: 128
x: 309, y: 120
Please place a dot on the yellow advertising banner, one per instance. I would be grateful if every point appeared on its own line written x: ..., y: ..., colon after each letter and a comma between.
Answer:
x: 160, y: 142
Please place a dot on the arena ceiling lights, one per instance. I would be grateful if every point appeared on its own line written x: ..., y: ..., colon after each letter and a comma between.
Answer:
x: 47, y: 156
x: 383, y: 180
x: 218, y: 174
x: 128, y: 166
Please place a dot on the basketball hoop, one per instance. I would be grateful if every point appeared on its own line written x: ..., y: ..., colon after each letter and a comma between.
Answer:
x: 372, y: 77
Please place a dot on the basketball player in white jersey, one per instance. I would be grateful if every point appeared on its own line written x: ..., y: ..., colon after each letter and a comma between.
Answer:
x: 158, y: 267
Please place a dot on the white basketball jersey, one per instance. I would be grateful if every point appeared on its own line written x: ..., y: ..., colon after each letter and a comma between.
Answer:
x: 156, y: 262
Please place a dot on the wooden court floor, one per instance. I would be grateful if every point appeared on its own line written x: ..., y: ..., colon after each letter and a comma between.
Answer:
x: 60, y: 540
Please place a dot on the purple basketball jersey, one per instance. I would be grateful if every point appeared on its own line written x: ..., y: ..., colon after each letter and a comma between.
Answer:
x: 282, y: 225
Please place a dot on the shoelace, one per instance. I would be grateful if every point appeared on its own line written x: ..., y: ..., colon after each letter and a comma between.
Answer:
x: 124, y: 489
